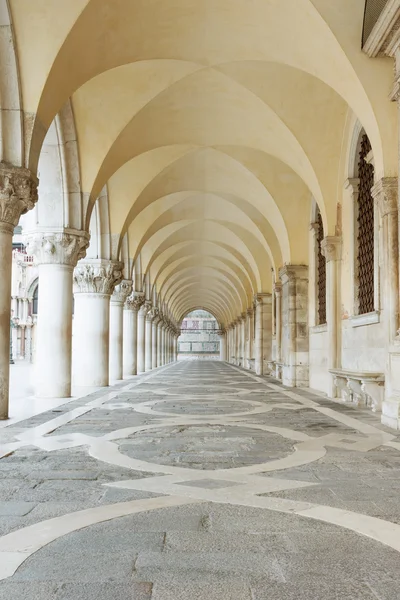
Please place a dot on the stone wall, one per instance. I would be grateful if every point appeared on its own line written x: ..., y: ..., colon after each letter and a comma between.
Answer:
x: 199, y: 339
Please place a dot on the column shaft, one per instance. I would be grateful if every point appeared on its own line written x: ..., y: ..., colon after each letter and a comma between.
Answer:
x: 148, y: 345
x: 5, y: 312
x: 141, y: 338
x: 154, y: 345
x: 130, y: 342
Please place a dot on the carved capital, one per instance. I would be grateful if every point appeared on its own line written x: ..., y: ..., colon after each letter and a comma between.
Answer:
x: 152, y: 315
x: 351, y: 185
x: 331, y: 248
x: 278, y: 289
x: 134, y: 301
x: 97, y: 277
x: 121, y: 292
x: 62, y: 248
x: 144, y: 309
x: 385, y: 194
x: 18, y: 194
x: 250, y: 312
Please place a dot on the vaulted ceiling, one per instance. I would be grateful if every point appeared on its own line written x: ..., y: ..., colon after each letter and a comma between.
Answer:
x: 213, y: 124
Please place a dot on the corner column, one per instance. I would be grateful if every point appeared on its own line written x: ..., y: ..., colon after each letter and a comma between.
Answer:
x: 295, y: 355
x: 18, y: 194
x: 120, y: 294
x: 57, y: 254
x: 94, y: 282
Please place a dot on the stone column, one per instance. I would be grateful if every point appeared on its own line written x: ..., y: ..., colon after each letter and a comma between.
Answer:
x: 263, y: 345
x: 130, y: 335
x: 331, y: 248
x: 120, y: 294
x: 242, y: 334
x: 141, y: 343
x: 278, y: 320
x: 249, y: 336
x: 149, y: 340
x: 159, y: 340
x: 295, y: 325
x: 222, y: 344
x: 57, y: 254
x: 18, y: 194
x: 94, y: 282
x: 154, y: 338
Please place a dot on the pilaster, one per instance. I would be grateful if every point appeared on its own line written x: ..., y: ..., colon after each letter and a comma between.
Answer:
x: 295, y: 348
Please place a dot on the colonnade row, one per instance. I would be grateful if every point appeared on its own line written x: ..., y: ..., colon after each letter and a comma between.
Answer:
x: 271, y: 337
x: 116, y: 331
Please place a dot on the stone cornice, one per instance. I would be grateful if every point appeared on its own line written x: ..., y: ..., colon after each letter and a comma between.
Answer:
x: 97, y: 276
x: 134, y: 301
x: 58, y: 248
x: 18, y: 194
x: 331, y: 248
x: 121, y: 292
x: 385, y: 194
x: 385, y: 36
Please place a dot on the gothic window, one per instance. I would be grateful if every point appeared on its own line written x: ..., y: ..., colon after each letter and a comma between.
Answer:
x: 365, y: 231
x: 320, y: 272
x: 35, y: 301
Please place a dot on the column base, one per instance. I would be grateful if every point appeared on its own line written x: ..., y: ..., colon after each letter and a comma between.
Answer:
x: 295, y: 376
x: 391, y: 413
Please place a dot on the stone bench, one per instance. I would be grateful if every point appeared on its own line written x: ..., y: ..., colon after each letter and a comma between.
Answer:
x: 362, y: 388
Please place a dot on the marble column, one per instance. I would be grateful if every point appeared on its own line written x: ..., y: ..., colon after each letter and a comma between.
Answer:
x: 163, y: 333
x: 263, y: 341
x: 295, y: 347
x: 154, y: 338
x: 141, y: 343
x: 94, y: 282
x: 18, y: 194
x: 278, y: 320
x: 57, y: 254
x: 159, y: 340
x: 130, y: 335
x: 117, y: 301
x: 149, y: 340
x: 331, y: 247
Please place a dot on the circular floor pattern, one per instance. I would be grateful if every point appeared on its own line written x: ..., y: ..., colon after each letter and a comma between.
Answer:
x: 205, y: 447
x: 201, y: 407
x: 196, y: 391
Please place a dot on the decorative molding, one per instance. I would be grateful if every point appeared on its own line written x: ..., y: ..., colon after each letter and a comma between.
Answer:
x: 331, y: 248
x: 97, y: 276
x: 134, y: 301
x: 367, y: 319
x: 59, y: 248
x: 121, y: 292
x: 352, y: 184
x: 18, y: 194
x: 385, y: 35
x: 319, y: 328
x: 385, y: 195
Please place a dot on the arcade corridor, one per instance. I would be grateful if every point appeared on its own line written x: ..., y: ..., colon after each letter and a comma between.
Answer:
x: 200, y: 480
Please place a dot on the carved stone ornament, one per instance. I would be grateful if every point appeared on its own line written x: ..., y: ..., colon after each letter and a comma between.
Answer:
x: 152, y: 314
x: 250, y: 312
x: 144, y: 309
x: 385, y: 194
x: 290, y: 273
x: 331, y: 248
x: 58, y: 248
x: 18, y: 194
x: 97, y: 277
x: 134, y: 301
x: 278, y: 289
x: 121, y: 292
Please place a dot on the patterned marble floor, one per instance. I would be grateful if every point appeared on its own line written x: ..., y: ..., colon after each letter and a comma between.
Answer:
x: 200, y: 481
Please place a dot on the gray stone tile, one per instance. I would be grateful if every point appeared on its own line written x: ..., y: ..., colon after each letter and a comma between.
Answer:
x: 15, y: 509
x: 215, y: 590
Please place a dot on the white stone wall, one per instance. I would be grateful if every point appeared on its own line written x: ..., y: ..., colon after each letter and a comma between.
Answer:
x: 319, y: 359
